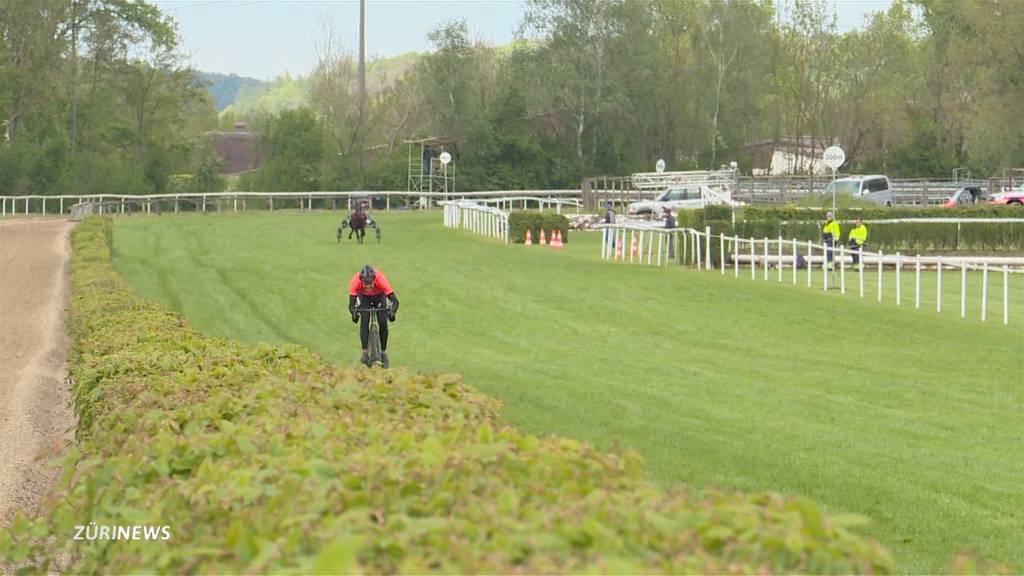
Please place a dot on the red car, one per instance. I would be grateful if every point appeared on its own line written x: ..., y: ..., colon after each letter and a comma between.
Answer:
x: 1015, y: 196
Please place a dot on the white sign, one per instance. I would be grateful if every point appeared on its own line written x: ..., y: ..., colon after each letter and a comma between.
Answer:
x: 660, y: 166
x: 834, y: 157
x: 445, y: 157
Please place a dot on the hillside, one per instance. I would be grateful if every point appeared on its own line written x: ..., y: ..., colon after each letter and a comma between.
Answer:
x: 287, y: 92
x: 226, y: 88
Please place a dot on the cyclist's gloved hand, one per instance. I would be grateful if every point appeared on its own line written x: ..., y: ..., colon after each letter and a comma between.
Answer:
x: 355, y: 317
x: 391, y: 315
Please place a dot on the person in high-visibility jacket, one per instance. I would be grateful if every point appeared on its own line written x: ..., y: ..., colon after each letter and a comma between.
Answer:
x: 858, y: 237
x: 830, y: 234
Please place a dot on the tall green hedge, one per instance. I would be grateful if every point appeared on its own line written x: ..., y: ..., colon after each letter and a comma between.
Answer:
x: 519, y: 221
x: 803, y: 224
x: 264, y: 459
x: 904, y: 236
x: 788, y: 213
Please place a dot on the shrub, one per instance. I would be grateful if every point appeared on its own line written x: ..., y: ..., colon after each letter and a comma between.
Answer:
x: 264, y: 459
x: 519, y: 221
x: 804, y: 224
x: 718, y: 212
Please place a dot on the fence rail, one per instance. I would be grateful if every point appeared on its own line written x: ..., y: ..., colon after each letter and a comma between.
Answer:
x: 243, y: 201
x: 626, y: 243
x: 621, y: 190
x: 479, y: 219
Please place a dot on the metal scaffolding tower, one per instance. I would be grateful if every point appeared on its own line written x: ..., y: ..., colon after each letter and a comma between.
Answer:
x: 427, y: 173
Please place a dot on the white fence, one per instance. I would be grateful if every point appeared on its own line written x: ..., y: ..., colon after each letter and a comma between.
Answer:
x: 239, y: 201
x: 636, y: 243
x: 509, y: 203
x: 807, y: 261
x: 479, y: 219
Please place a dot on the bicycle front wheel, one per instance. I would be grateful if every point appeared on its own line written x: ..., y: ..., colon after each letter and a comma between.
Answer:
x: 374, y: 344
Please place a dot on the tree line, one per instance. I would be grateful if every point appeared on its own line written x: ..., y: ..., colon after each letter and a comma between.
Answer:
x: 94, y: 94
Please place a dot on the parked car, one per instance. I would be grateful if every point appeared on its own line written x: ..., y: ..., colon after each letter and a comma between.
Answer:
x: 965, y: 195
x: 1015, y: 196
x: 874, y: 188
x: 672, y: 198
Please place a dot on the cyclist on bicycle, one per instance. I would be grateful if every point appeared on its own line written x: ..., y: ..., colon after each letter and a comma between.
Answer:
x: 370, y: 287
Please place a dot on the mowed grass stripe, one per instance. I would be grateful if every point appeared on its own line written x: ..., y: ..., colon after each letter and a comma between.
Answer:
x: 908, y: 416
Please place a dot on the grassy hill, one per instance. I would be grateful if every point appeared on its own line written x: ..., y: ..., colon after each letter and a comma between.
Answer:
x: 907, y: 416
x: 288, y: 92
x: 226, y: 88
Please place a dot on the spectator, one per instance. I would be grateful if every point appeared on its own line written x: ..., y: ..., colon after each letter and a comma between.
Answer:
x: 858, y: 237
x: 830, y: 232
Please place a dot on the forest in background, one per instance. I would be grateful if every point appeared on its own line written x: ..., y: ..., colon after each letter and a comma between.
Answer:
x: 96, y: 96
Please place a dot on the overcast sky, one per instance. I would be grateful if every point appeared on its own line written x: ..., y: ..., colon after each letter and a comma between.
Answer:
x: 263, y: 39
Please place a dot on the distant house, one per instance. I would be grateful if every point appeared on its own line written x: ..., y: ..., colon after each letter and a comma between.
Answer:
x: 787, y: 155
x: 239, y: 151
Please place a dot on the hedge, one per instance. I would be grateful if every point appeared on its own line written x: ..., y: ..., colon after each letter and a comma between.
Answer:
x: 789, y: 213
x: 803, y: 224
x: 519, y: 221
x: 264, y: 459
x: 904, y: 236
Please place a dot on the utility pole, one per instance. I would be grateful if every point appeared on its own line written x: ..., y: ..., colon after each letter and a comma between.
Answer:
x: 73, y: 81
x: 362, y: 77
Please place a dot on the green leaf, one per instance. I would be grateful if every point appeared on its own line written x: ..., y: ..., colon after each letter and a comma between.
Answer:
x: 339, y: 557
x: 245, y: 444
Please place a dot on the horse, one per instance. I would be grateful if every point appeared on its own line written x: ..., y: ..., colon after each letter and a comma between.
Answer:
x: 357, y: 224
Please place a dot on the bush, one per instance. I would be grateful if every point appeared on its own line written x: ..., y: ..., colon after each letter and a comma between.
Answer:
x: 804, y: 224
x: 690, y: 218
x: 264, y: 459
x: 718, y: 212
x: 519, y: 221
x: 789, y: 212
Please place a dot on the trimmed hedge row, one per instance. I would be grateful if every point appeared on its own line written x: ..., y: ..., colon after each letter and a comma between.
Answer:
x: 803, y: 224
x: 789, y: 213
x: 519, y: 221
x: 265, y: 459
x: 904, y: 236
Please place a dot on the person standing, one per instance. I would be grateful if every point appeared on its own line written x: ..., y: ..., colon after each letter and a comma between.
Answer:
x: 830, y: 233
x: 609, y: 219
x: 670, y: 224
x: 858, y: 237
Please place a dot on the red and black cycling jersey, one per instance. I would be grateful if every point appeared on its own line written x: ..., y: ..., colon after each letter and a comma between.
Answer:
x: 380, y: 285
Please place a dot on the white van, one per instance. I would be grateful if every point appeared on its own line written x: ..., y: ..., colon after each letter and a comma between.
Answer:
x: 672, y: 198
x: 874, y: 188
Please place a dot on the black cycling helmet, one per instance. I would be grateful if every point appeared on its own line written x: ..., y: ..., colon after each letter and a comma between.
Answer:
x: 366, y: 275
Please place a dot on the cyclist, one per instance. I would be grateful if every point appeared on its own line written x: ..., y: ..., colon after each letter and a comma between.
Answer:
x: 370, y: 287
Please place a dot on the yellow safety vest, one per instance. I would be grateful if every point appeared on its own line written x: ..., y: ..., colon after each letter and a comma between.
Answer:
x: 831, y: 228
x: 859, y: 234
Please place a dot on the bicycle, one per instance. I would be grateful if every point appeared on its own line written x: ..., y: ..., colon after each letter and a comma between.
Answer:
x: 373, y: 342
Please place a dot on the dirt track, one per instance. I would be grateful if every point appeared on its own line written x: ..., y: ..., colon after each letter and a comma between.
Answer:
x: 35, y: 418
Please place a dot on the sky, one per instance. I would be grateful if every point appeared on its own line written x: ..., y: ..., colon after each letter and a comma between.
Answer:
x: 266, y: 38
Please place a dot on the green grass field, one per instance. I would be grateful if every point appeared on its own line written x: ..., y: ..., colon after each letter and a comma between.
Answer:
x: 907, y: 416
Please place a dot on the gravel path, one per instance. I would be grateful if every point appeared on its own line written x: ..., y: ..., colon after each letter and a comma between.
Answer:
x: 36, y: 421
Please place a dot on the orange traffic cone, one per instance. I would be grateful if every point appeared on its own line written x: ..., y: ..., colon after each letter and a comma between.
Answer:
x: 632, y: 246
x: 529, y: 240
x: 542, y: 241
x: 556, y: 238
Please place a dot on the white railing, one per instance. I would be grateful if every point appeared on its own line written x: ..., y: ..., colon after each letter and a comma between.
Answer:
x: 479, y: 219
x: 236, y: 201
x: 636, y: 243
x: 508, y: 203
x: 628, y: 243
x: 716, y: 186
